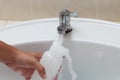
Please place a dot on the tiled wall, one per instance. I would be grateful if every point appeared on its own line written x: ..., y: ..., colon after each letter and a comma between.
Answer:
x: 32, y: 9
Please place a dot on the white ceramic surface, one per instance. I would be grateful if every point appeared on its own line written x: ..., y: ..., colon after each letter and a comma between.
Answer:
x: 94, y: 46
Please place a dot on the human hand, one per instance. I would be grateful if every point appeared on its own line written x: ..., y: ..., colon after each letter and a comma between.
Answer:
x: 56, y: 77
x: 26, y: 64
x: 20, y: 61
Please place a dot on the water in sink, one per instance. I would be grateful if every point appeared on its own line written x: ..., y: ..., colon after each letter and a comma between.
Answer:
x: 52, y: 60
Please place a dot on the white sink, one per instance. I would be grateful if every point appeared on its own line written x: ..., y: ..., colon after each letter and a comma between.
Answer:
x: 94, y: 46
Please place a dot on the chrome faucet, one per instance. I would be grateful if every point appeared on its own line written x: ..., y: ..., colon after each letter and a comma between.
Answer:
x: 64, y: 18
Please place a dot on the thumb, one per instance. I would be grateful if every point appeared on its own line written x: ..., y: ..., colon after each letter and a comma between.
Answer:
x: 37, y: 56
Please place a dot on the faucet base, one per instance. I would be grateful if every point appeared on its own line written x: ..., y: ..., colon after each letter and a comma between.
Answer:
x: 63, y: 29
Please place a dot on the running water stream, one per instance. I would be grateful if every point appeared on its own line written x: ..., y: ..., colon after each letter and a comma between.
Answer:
x: 53, y: 58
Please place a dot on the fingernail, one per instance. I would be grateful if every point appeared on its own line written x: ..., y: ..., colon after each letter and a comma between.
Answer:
x: 44, y: 77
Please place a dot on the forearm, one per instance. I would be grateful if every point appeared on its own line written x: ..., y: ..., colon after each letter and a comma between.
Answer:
x: 7, y: 52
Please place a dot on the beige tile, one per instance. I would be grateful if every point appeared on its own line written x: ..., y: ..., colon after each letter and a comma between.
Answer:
x: 32, y: 9
x: 109, y: 10
x: 51, y: 8
x: 14, y: 9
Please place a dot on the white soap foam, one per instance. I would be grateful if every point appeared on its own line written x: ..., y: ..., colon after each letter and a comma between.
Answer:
x: 52, y: 60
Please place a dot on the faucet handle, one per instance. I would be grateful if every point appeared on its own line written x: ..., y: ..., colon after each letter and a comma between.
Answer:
x: 65, y: 17
x: 73, y: 14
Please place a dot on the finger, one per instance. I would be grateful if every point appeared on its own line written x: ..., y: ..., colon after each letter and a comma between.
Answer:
x: 55, y: 77
x: 60, y: 68
x: 26, y: 72
x: 41, y: 70
x: 37, y: 56
x: 28, y: 78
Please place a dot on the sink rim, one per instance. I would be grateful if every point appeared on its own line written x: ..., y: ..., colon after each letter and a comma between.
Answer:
x: 55, y: 35
x: 53, y: 19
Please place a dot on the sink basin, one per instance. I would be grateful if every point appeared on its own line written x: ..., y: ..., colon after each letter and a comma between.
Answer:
x: 94, y: 46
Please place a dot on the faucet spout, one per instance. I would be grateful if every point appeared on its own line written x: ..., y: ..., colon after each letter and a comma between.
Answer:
x: 64, y: 18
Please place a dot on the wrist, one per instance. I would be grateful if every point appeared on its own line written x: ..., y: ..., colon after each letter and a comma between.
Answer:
x: 7, y: 53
